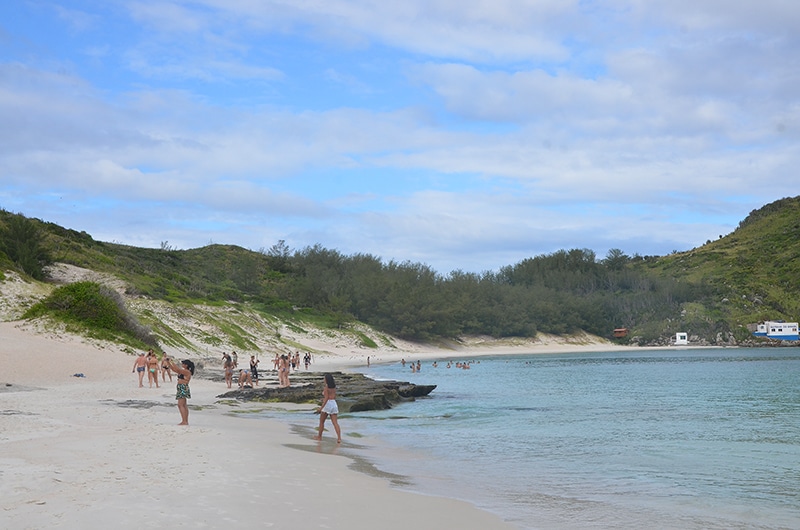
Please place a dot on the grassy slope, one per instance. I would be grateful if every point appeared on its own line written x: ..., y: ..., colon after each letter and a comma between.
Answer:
x: 752, y: 274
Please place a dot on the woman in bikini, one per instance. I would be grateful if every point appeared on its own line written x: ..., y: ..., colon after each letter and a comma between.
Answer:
x: 329, y: 408
x: 152, y: 368
x: 185, y: 371
x: 283, y: 371
x: 165, y: 371
x: 254, y: 369
x: 227, y: 365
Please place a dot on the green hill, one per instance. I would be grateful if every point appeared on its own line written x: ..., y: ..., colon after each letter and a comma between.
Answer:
x: 712, y: 292
x: 751, y: 275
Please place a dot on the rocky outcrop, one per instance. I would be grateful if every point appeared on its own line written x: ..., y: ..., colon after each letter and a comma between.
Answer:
x: 354, y: 392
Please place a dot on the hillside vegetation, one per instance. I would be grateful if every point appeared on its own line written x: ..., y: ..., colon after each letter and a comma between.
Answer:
x: 712, y: 292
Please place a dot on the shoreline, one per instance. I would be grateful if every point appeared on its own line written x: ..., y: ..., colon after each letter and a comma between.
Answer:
x: 96, y: 449
x: 80, y: 452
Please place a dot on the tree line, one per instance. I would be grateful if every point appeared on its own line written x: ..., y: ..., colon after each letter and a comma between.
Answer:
x: 559, y: 293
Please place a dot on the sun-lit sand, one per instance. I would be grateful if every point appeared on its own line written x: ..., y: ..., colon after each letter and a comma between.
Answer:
x: 98, y: 451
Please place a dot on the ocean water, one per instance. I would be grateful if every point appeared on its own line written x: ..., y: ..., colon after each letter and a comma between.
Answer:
x: 683, y: 438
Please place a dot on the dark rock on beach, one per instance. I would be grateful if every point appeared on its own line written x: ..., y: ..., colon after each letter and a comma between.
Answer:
x: 354, y: 392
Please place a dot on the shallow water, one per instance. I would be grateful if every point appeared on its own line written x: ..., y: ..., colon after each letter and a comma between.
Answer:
x: 684, y: 439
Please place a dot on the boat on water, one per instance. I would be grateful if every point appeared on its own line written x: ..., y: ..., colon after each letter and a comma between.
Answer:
x: 779, y: 330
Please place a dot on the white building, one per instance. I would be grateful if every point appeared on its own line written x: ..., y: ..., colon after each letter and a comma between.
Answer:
x: 777, y: 330
x: 681, y: 338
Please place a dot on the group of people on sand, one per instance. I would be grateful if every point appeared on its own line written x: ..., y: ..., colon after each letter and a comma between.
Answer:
x: 185, y: 371
x: 248, y: 377
x: 151, y: 364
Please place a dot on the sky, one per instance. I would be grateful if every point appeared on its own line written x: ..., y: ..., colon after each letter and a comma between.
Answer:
x: 462, y: 134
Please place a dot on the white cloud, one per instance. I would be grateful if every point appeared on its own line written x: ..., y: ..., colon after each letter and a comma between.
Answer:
x: 527, y: 126
x: 169, y: 17
x: 468, y: 29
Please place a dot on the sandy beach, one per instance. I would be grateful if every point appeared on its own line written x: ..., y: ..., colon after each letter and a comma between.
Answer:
x: 97, y: 450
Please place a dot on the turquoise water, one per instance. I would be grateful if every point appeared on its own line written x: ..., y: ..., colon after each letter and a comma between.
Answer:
x: 684, y: 439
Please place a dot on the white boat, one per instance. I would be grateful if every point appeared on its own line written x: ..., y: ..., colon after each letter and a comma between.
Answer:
x: 777, y: 330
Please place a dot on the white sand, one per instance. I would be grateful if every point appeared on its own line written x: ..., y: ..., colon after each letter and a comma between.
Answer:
x: 72, y: 456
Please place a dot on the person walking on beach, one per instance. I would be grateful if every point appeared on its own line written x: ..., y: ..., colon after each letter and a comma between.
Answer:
x: 330, y: 408
x: 139, y: 366
x: 185, y: 371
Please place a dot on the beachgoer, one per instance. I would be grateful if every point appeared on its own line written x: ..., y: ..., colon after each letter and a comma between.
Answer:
x: 245, y: 380
x: 235, y: 360
x: 283, y: 371
x: 254, y: 369
x: 185, y: 372
x: 165, y: 371
x: 152, y: 368
x: 227, y: 365
x: 140, y: 365
x: 329, y: 408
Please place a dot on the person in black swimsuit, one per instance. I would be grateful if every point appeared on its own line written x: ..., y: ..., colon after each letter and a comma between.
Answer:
x: 254, y: 369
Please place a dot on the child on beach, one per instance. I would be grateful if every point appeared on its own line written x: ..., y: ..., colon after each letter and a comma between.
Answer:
x: 329, y: 407
x: 185, y: 372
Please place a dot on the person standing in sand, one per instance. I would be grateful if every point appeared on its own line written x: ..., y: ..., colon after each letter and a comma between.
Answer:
x: 227, y: 365
x: 152, y: 368
x: 165, y: 371
x: 254, y: 369
x: 140, y: 365
x: 283, y: 371
x: 185, y: 372
x: 330, y: 408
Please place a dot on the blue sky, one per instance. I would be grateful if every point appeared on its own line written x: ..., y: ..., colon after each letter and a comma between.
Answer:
x: 464, y: 134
